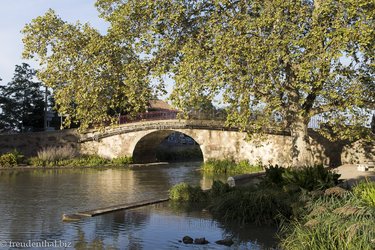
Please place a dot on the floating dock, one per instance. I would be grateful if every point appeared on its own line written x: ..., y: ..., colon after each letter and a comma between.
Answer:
x: 100, y: 211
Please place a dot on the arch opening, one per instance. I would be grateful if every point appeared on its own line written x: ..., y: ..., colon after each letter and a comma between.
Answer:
x: 167, y: 146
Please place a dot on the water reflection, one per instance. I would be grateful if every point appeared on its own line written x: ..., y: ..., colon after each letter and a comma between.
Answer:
x: 162, y: 226
x: 32, y: 202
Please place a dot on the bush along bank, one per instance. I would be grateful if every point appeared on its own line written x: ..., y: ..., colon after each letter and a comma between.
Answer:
x: 61, y: 157
x: 305, y: 203
x: 229, y: 166
x: 11, y: 159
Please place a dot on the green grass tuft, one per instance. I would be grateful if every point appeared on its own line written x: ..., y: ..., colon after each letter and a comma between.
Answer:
x: 185, y: 192
x: 331, y: 223
x: 229, y: 166
x: 80, y: 161
x: 122, y: 161
x: 365, y: 191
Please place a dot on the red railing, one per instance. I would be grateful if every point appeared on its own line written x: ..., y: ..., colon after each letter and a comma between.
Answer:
x: 149, y: 116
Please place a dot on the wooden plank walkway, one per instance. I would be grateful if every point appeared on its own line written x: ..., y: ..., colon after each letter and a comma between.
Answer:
x: 99, y: 211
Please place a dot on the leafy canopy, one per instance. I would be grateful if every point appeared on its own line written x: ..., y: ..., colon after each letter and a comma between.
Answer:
x: 94, y: 77
x: 287, y: 59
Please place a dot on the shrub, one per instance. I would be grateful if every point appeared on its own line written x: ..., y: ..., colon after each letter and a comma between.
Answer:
x: 365, y: 191
x: 8, y: 160
x: 54, y: 154
x: 185, y: 192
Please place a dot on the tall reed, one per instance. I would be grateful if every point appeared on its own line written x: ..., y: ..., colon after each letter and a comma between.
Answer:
x: 332, y: 223
x: 52, y: 154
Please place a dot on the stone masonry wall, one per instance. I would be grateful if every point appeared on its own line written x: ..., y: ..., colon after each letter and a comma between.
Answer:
x: 214, y: 143
x: 29, y: 143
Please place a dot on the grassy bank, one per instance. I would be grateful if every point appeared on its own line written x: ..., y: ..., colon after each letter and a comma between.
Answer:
x: 278, y: 195
x: 229, y: 166
x: 305, y: 203
x: 61, y: 157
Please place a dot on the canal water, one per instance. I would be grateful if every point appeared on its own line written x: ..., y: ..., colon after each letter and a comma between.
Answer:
x: 32, y: 203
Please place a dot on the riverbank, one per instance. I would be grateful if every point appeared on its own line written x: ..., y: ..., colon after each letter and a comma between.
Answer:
x: 132, y: 165
x: 303, y: 202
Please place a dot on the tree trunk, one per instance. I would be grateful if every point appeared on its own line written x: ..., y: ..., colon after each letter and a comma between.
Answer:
x: 301, y: 150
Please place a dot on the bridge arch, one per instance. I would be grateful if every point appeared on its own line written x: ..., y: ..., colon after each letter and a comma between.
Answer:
x: 214, y: 139
x: 147, y: 147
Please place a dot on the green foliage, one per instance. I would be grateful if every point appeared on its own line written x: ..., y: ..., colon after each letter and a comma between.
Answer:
x: 185, y: 192
x: 121, y: 161
x: 20, y: 158
x: 229, y: 166
x: 273, y: 176
x: 86, y: 161
x: 218, y: 189
x: 310, y: 178
x: 11, y: 159
x: 273, y: 63
x: 307, y: 178
x: 332, y: 223
x: 94, y: 77
x: 22, y: 102
x: 8, y: 160
x: 251, y: 206
x: 365, y: 191
x: 68, y: 157
x: 36, y: 162
x: 277, y: 196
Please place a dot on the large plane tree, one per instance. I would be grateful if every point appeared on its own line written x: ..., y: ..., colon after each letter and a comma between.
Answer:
x: 273, y: 62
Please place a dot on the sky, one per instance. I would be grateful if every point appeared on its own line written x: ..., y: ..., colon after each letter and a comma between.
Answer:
x: 14, y: 14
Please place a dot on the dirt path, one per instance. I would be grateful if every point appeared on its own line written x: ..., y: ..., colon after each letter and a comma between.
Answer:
x: 351, y: 175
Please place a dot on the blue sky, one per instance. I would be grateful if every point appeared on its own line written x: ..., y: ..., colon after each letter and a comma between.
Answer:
x: 14, y: 14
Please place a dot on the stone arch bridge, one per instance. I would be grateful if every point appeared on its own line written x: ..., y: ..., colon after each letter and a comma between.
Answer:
x: 140, y: 140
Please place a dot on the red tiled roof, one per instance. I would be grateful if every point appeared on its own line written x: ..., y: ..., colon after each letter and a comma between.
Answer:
x: 159, y: 104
